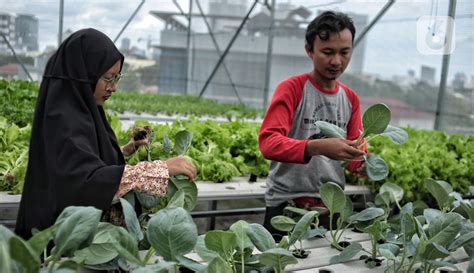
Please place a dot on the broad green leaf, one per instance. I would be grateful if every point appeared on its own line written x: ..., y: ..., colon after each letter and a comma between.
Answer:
x: 469, y: 247
x: 330, y: 130
x: 435, y: 251
x: 346, y: 254
x: 167, y: 145
x: 6, y: 262
x: 347, y: 212
x: 131, y: 220
x: 12, y: 134
x: 5, y: 258
x: 395, y: 191
x: 408, y: 225
x: 389, y: 250
x: 222, y: 242
x: 278, y: 258
x: 395, y: 134
x: 366, y: 215
x: 243, y: 240
x: 190, y: 264
x: 161, y: 267
x: 431, y: 214
x: 189, y: 188
x: 21, y: 252
x: 218, y: 265
x: 461, y: 241
x: 203, y: 252
x: 147, y: 201
x: 441, y: 232
x: 302, y: 227
x: 96, y: 254
x: 437, y: 264
x: 177, y: 201
x: 333, y: 197
x: 283, y: 223
x: 383, y: 199
x: 172, y: 232
x: 126, y: 245
x: 260, y: 237
x: 76, y: 229
x: 315, y: 232
x: 376, y: 119
x: 39, y: 241
x: 182, y: 142
x: 440, y: 191
x: 376, y: 168
x: 468, y: 209
x: 295, y: 210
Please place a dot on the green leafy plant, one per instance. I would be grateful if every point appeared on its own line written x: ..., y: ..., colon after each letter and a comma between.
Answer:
x: 375, y: 122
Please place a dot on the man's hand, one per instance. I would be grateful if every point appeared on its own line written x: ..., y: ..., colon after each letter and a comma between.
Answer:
x: 334, y: 148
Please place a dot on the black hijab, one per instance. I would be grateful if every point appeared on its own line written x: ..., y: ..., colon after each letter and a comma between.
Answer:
x: 74, y: 158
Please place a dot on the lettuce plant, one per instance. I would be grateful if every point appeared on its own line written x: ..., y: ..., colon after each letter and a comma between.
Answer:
x: 375, y: 122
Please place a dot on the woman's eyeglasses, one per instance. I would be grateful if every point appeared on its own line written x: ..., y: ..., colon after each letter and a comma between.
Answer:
x: 112, y: 81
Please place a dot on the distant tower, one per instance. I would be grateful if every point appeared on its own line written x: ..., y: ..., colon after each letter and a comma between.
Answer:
x: 7, y: 28
x: 125, y: 45
x: 26, y: 32
x: 356, y: 65
x: 226, y: 8
x: 427, y: 74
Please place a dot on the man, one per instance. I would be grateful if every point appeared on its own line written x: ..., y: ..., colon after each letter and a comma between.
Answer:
x: 301, y: 159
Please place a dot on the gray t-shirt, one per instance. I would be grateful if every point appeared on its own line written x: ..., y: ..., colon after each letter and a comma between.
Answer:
x: 291, y: 180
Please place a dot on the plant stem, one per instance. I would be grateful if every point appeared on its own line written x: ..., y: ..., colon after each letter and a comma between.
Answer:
x: 413, y: 259
x: 242, y: 262
x: 374, y: 247
x: 51, y: 267
x: 148, y: 255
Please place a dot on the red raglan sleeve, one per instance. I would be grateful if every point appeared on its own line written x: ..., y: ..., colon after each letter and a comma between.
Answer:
x: 355, y: 125
x: 273, y: 139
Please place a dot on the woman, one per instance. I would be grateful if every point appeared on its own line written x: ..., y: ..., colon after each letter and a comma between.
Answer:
x: 74, y: 158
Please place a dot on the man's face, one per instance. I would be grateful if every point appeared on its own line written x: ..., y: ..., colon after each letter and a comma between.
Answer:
x: 331, y: 57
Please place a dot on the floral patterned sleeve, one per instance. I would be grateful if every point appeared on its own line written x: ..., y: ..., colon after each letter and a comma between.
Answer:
x: 147, y: 177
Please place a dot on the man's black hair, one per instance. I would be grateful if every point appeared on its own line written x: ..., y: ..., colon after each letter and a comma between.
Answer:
x: 326, y: 23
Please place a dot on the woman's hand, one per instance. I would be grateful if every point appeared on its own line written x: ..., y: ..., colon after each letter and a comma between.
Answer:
x: 133, y: 145
x: 180, y: 165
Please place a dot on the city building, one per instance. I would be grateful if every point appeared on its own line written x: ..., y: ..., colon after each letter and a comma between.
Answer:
x: 246, y: 61
x: 428, y: 74
x: 21, y: 31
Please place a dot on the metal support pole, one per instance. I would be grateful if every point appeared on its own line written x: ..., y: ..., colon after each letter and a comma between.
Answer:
x: 129, y: 20
x: 175, y: 2
x: 266, y: 88
x: 372, y: 23
x: 228, y: 48
x: 188, y: 49
x: 61, y: 16
x: 216, y: 45
x: 445, y: 66
x: 16, y: 57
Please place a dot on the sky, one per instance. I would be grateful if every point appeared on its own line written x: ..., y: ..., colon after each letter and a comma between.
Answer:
x: 391, y: 44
